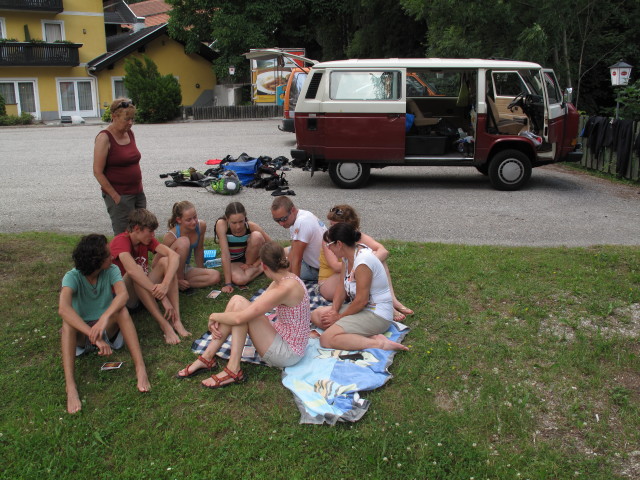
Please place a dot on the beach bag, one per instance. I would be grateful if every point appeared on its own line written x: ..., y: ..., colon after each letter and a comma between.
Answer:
x: 246, y: 171
x: 227, y: 184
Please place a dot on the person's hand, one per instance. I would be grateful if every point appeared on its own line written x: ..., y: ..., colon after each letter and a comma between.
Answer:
x: 116, y: 198
x: 97, y: 330
x: 184, y: 284
x: 214, y: 328
x: 169, y: 311
x: 103, y: 348
x: 227, y: 289
x: 328, y: 318
x: 244, y: 266
x: 159, y: 291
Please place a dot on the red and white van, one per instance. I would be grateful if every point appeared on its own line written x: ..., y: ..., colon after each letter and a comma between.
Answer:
x: 502, y: 117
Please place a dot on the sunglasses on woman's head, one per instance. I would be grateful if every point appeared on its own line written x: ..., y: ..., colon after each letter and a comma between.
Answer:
x: 123, y: 105
x: 337, y: 211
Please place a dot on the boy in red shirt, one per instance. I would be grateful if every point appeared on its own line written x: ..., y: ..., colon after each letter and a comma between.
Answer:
x: 130, y: 252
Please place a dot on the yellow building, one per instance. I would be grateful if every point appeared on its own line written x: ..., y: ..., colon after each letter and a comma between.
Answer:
x: 56, y: 58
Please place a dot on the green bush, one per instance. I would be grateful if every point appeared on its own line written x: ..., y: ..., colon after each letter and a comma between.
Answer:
x: 630, y: 101
x: 3, y: 108
x: 156, y: 97
x: 106, y: 116
x: 24, y: 118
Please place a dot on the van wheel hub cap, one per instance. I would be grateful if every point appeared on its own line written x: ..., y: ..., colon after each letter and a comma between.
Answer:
x: 511, y: 171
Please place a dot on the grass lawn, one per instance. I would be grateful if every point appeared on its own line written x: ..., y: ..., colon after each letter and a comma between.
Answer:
x: 524, y: 364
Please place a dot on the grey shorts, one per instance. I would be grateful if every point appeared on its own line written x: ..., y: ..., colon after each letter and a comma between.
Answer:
x: 280, y: 354
x: 116, y: 344
x: 308, y: 273
x: 364, y: 323
x: 119, y: 214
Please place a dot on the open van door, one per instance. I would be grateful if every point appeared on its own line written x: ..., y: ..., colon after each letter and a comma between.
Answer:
x: 557, y: 109
x: 271, y: 53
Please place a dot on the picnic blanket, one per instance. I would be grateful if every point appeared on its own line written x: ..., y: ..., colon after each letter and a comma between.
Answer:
x: 326, y: 382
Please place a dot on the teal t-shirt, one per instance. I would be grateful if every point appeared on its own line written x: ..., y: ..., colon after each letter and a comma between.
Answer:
x: 91, y: 301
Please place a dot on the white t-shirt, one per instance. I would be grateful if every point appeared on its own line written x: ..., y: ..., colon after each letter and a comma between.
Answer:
x: 380, y: 300
x: 308, y: 229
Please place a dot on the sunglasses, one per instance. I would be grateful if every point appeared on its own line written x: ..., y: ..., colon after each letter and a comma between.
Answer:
x: 282, y: 219
x: 330, y: 243
x: 336, y: 211
x: 123, y: 105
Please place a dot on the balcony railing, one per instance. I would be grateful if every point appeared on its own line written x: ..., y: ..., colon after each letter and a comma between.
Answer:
x: 32, y: 5
x: 21, y: 54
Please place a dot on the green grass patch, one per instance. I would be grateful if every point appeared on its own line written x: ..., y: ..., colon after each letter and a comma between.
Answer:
x: 524, y: 363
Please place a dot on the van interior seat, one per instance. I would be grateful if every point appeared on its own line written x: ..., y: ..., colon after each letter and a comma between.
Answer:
x: 421, y: 120
x: 506, y: 126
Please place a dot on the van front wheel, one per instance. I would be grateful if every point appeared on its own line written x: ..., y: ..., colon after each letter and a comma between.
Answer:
x: 349, y: 175
x: 509, y: 170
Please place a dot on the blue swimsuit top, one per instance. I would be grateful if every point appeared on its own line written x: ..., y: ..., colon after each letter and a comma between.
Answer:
x: 193, y: 246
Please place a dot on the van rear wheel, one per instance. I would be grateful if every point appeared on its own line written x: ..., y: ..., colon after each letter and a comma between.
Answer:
x: 349, y: 175
x: 509, y: 170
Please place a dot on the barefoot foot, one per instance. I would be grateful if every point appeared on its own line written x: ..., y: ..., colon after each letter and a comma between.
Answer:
x: 171, y: 337
x: 73, y: 402
x: 386, y: 344
x: 180, y: 329
x: 397, y: 316
x: 402, y: 309
x: 143, y: 382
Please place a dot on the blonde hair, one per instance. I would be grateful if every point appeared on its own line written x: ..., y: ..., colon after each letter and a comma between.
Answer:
x: 177, y: 211
x: 344, y: 214
x: 118, y: 104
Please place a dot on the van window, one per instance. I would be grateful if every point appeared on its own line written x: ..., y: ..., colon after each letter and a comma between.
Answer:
x: 553, y: 90
x: 314, y: 84
x: 365, y: 85
x: 508, y: 84
x: 296, y: 88
x: 443, y: 83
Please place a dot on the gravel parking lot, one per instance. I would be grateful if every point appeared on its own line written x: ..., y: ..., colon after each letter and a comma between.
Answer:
x: 47, y: 185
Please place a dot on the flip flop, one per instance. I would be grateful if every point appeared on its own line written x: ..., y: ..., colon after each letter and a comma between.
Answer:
x: 209, y: 364
x: 239, y: 377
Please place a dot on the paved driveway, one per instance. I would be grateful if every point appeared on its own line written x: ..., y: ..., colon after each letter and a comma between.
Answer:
x: 46, y: 184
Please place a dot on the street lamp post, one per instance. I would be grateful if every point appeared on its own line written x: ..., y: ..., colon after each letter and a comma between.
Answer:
x: 620, y: 73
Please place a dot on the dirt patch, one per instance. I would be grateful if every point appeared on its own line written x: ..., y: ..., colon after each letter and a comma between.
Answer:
x: 623, y: 322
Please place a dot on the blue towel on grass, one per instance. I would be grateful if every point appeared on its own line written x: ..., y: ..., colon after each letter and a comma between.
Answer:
x: 326, y: 382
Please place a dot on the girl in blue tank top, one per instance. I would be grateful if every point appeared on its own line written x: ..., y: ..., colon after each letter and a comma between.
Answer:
x: 186, y: 236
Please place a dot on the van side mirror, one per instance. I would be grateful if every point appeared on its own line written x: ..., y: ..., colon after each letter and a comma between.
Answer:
x: 568, y: 95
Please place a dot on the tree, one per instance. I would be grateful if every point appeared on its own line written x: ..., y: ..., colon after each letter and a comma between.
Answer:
x: 157, y: 97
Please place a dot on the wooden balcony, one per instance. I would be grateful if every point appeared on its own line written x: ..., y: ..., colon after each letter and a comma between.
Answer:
x: 22, y: 54
x: 54, y: 6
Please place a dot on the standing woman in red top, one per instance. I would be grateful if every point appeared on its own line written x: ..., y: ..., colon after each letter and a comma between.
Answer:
x: 116, y: 165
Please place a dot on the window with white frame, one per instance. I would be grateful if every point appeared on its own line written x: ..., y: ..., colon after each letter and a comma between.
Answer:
x: 3, y: 28
x: 52, y: 30
x: 118, y: 88
x: 20, y: 93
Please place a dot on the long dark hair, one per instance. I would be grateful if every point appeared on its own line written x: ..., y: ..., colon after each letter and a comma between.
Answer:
x: 344, y: 232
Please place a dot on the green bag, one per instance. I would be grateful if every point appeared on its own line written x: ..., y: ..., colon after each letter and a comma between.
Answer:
x: 227, y: 184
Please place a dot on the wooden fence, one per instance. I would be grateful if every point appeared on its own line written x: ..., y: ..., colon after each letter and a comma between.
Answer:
x: 237, y: 111
x: 607, y: 160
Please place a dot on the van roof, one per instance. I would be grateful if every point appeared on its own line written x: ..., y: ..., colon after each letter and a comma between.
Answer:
x: 432, y: 63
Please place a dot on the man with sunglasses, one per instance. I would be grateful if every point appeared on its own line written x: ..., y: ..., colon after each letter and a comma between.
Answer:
x: 306, y: 232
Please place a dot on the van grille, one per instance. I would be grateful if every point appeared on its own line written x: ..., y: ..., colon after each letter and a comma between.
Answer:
x: 313, y: 85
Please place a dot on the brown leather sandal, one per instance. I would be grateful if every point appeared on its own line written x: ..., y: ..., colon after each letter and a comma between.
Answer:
x: 209, y: 365
x: 239, y: 377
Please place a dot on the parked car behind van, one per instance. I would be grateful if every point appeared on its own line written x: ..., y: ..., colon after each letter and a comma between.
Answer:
x: 501, y: 117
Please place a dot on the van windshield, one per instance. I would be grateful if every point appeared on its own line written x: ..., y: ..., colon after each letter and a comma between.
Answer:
x: 365, y: 85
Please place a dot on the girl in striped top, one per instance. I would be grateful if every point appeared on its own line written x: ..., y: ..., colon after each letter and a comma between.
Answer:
x: 240, y: 241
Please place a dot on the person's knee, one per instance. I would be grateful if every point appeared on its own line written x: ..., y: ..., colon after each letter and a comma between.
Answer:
x: 256, y: 239
x: 181, y: 245
x: 326, y: 340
